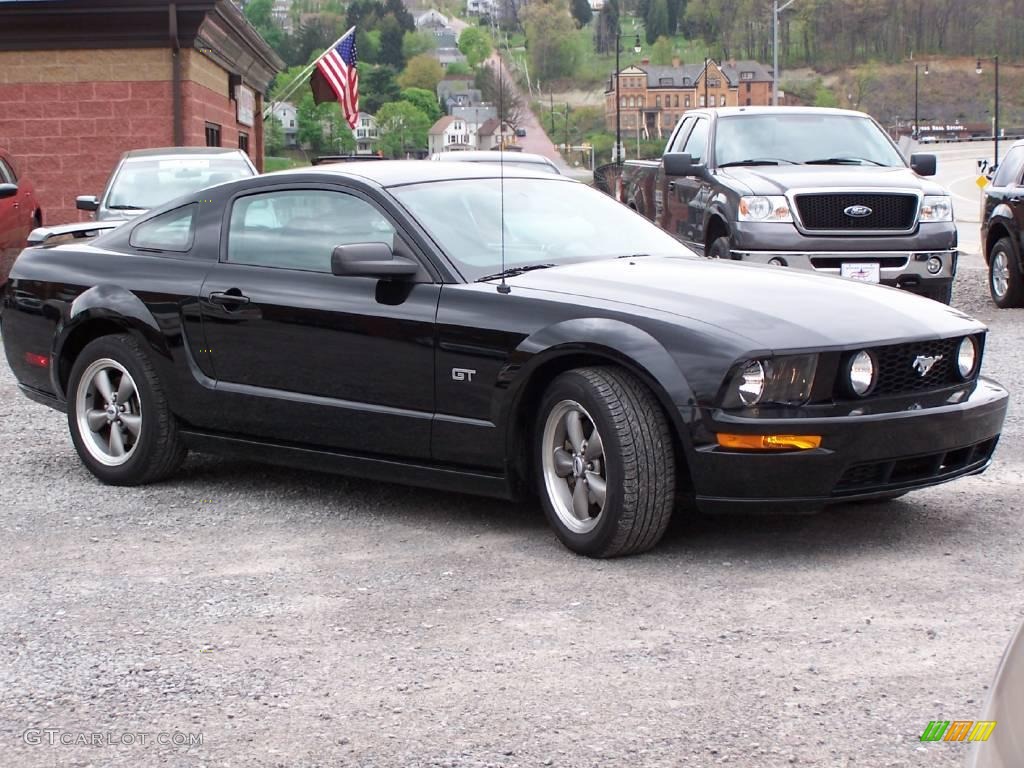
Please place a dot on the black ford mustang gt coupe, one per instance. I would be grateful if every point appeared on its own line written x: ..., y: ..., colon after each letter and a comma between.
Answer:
x: 443, y: 325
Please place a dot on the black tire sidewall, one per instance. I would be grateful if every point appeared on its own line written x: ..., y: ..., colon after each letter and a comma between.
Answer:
x: 721, y: 248
x: 572, y: 386
x: 133, y: 470
x: 1013, y: 288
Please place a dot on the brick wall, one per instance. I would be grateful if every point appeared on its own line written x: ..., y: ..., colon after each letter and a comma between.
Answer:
x: 67, y: 116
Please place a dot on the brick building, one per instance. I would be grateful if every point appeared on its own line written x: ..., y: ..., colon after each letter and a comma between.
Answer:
x: 655, y: 97
x: 81, y: 82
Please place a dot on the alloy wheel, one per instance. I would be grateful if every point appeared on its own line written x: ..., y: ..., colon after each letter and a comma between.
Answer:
x: 1000, y: 271
x: 109, y: 412
x: 575, y: 471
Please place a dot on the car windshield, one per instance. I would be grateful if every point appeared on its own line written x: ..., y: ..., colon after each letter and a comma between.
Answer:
x: 545, y: 222
x: 149, y: 182
x: 831, y: 139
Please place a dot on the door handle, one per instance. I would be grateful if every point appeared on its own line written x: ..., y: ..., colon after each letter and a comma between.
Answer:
x: 1015, y: 199
x: 228, y: 298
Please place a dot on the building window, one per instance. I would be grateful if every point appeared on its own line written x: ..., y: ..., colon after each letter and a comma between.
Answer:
x: 702, y: 101
x: 748, y: 101
x: 686, y: 102
x: 657, y: 101
x: 291, y: 123
x: 746, y: 75
x: 714, y: 83
x: 675, y: 100
x: 212, y: 135
x: 243, y: 142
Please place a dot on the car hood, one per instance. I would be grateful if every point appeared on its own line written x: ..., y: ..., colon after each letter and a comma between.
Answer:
x: 779, y: 179
x: 774, y: 307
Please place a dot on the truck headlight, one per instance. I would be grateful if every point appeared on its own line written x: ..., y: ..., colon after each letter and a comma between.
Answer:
x: 764, y: 208
x: 937, y: 208
x: 782, y: 380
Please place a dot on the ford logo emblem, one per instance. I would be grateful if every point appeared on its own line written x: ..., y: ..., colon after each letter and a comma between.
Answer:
x: 857, y: 211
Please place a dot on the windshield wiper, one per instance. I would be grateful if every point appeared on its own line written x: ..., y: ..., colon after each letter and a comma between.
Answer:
x: 843, y: 161
x: 758, y: 161
x: 513, y: 271
x: 127, y: 208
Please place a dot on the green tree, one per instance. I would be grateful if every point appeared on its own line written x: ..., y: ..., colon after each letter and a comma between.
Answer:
x: 368, y: 45
x: 551, y: 39
x: 582, y: 12
x: 607, y: 24
x: 377, y: 86
x: 423, y: 71
x: 459, y: 68
x: 402, y: 127
x: 657, y: 20
x: 391, y: 38
x: 258, y: 12
x: 662, y: 51
x: 425, y: 101
x: 415, y: 43
x: 475, y: 44
x: 273, y: 136
x: 309, y: 123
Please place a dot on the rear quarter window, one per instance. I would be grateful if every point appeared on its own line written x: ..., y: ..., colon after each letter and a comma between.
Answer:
x: 173, y: 231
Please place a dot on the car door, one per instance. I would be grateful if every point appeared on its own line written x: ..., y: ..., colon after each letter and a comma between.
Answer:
x: 1007, y: 189
x: 305, y: 356
x: 664, y: 184
x: 686, y: 194
x: 13, y: 228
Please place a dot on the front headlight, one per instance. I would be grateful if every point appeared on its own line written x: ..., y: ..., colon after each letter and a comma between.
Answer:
x: 937, y: 208
x: 780, y: 380
x: 764, y: 208
x: 967, y: 357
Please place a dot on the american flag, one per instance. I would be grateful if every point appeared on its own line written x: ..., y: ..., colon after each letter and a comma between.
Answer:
x: 336, y: 77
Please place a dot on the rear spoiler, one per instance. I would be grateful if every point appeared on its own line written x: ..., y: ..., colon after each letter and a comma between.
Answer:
x: 41, y: 235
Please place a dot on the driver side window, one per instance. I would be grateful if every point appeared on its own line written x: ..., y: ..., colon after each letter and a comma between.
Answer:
x: 299, y: 229
x: 696, y: 144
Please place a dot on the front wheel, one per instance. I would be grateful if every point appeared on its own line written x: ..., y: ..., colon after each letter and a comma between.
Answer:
x: 720, y: 248
x: 1004, y: 278
x: 118, y: 415
x: 606, y: 462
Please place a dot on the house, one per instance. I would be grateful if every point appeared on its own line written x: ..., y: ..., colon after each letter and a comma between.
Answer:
x: 493, y: 134
x: 452, y: 85
x: 448, y: 56
x: 288, y: 116
x: 432, y: 19
x: 475, y: 115
x: 450, y: 134
x: 468, y: 98
x: 481, y: 7
x: 366, y: 134
x: 652, y: 98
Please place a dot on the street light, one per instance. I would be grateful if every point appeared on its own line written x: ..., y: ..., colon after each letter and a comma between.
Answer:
x: 995, y: 124
x: 618, y: 98
x: 917, y: 130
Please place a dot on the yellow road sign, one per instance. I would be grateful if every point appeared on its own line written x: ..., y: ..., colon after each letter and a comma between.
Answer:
x: 981, y: 181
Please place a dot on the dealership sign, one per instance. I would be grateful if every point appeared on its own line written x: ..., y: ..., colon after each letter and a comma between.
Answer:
x: 245, y: 98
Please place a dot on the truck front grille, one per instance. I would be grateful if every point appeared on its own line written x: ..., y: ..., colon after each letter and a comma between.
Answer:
x: 828, y: 212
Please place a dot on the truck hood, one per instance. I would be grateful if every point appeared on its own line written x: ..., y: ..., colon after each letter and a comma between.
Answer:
x: 779, y: 179
x: 774, y: 307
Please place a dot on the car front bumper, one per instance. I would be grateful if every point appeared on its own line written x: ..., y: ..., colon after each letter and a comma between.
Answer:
x: 865, y: 452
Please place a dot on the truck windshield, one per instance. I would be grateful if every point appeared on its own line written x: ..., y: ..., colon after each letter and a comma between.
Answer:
x: 547, y: 222
x: 832, y: 139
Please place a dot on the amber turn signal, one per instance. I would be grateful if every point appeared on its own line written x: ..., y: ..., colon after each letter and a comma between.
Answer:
x: 769, y: 442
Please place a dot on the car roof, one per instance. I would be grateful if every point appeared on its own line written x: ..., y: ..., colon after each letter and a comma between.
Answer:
x: 730, y: 111
x: 390, y: 173
x: 179, y: 151
x: 490, y: 156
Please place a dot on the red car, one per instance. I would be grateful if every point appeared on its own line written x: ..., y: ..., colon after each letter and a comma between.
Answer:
x: 19, y: 213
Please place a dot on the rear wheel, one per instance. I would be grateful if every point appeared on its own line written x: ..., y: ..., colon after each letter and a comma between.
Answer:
x: 120, y: 423
x: 1004, y: 278
x: 606, y: 462
x: 720, y: 248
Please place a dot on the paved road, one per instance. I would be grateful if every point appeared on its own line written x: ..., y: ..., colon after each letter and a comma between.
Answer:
x: 294, y: 619
x: 957, y: 172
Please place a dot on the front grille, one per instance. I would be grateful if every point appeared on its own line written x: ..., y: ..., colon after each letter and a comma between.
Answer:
x: 836, y: 262
x: 897, y: 374
x: 892, y: 212
x: 882, y: 475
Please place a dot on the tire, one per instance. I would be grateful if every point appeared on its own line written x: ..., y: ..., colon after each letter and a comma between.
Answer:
x: 1004, y: 279
x: 720, y: 248
x: 634, y: 462
x: 146, y: 431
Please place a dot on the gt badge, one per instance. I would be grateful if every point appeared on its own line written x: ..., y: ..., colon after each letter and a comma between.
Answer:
x: 923, y: 364
x: 463, y: 374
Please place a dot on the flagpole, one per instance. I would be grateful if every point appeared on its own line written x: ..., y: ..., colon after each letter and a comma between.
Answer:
x: 268, y: 111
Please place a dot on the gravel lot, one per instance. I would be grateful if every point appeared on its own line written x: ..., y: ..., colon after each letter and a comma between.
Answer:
x: 298, y: 619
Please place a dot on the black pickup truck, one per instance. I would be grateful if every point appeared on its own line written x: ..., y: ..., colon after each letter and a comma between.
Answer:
x: 818, y: 189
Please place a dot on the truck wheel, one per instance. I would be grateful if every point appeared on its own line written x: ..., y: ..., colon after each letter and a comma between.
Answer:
x: 1004, y: 279
x: 120, y: 423
x: 605, y: 462
x: 720, y: 248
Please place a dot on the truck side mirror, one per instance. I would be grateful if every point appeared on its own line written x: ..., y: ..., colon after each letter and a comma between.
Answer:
x: 923, y: 165
x: 679, y: 164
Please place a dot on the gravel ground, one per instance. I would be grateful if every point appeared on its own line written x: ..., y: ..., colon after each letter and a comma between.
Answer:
x: 298, y: 619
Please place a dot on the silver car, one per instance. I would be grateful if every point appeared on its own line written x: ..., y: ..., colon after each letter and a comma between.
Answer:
x: 148, y: 178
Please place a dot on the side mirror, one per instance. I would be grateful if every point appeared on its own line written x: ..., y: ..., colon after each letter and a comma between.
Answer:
x: 923, y: 165
x: 371, y: 260
x: 87, y: 203
x: 8, y: 190
x: 679, y: 164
